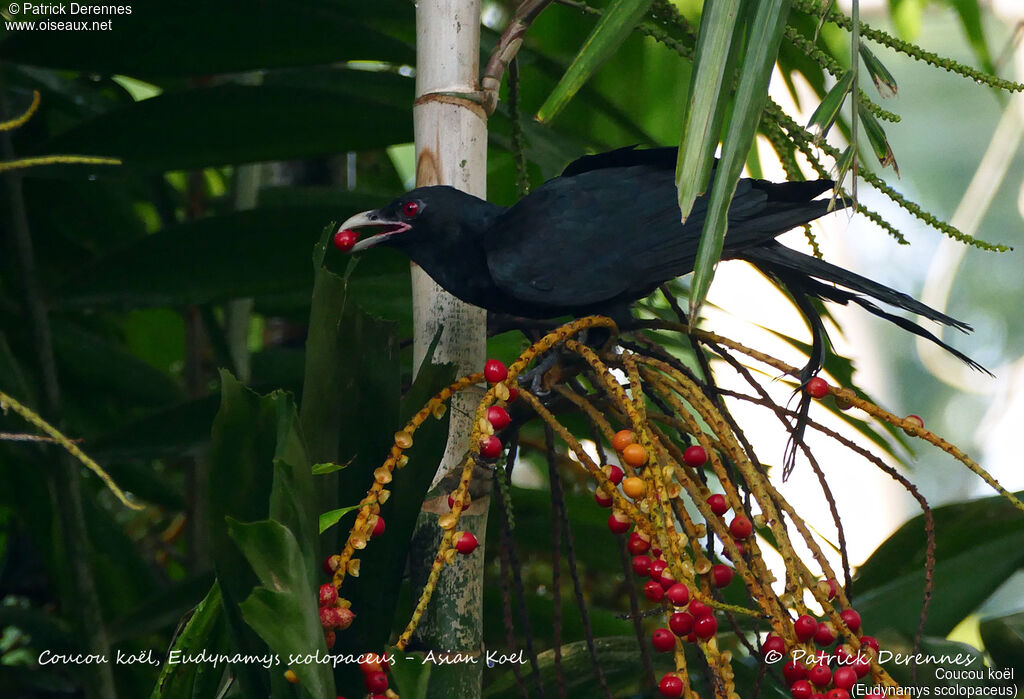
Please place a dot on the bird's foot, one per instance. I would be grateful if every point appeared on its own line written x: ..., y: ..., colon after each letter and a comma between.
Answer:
x: 535, y: 379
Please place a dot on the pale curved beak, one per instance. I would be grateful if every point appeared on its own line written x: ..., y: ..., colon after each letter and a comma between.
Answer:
x: 373, y: 218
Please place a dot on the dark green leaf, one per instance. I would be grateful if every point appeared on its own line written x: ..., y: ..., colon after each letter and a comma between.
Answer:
x: 985, y: 537
x: 762, y: 48
x: 288, y: 592
x: 175, y: 38
x: 233, y: 124
x: 615, y: 25
x: 718, y: 45
x: 184, y: 680
x: 1004, y: 640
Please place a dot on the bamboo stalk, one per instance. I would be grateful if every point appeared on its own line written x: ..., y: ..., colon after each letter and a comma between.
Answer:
x: 451, y: 149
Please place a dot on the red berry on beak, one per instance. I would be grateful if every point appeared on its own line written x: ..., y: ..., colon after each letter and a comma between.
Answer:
x: 345, y: 240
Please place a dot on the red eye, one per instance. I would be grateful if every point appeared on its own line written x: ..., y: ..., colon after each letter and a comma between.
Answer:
x: 410, y: 209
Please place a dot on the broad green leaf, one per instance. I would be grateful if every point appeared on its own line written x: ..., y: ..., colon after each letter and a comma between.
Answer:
x: 234, y: 124
x: 615, y: 25
x: 329, y: 519
x: 718, y: 45
x: 283, y: 609
x: 878, y: 140
x: 178, y: 681
x: 233, y: 255
x: 1004, y: 640
x: 762, y: 47
x: 985, y: 537
x: 828, y: 110
x: 884, y: 81
x: 177, y: 39
x: 244, y: 447
x: 410, y: 673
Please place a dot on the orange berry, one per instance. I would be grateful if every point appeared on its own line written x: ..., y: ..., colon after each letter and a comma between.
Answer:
x: 634, y: 487
x: 622, y: 439
x: 635, y: 455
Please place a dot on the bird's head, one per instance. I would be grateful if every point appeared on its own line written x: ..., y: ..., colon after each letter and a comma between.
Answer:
x: 424, y: 216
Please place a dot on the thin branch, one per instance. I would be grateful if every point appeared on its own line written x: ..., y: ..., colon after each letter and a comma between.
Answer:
x: 508, y: 46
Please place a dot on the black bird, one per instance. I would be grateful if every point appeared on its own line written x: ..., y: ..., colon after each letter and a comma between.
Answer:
x: 607, y: 232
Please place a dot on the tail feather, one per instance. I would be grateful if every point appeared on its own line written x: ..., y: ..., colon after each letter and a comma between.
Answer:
x: 779, y: 261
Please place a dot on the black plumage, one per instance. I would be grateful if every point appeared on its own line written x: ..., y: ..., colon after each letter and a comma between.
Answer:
x: 607, y: 232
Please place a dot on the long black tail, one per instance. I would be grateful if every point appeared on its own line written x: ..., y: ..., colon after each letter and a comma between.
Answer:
x: 810, y: 273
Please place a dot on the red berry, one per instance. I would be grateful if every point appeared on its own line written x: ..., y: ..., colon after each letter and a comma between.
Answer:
x: 741, y: 527
x: 861, y: 666
x: 793, y: 671
x: 671, y: 686
x: 376, y: 682
x: 370, y: 663
x: 695, y: 456
x: 451, y: 502
x: 678, y: 594
x: 739, y: 548
x: 820, y: 674
x: 336, y: 617
x: 773, y: 644
x: 833, y: 589
x: 490, y: 447
x: 638, y: 544
x: 851, y: 618
x: 466, y: 544
x: 699, y: 609
x: 681, y: 623
x: 602, y: 498
x: 915, y: 420
x: 663, y: 640
x: 328, y: 595
x: 642, y: 565
x: 837, y: 693
x: 378, y: 527
x: 657, y: 568
x: 816, y: 387
x: 705, y: 627
x: 619, y: 523
x: 495, y: 371
x: 345, y: 240
x: 824, y: 635
x: 721, y: 575
x: 614, y: 473
x: 844, y: 677
x: 804, y: 627
x: 329, y: 638
x: 498, y: 417
x: 801, y: 689
x: 656, y: 552
x: 653, y: 590
x: 666, y: 579
x: 870, y: 642
x: 331, y: 563
x: 718, y: 504
x: 513, y: 393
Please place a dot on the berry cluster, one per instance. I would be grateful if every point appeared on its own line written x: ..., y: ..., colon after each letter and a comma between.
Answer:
x: 335, y: 614
x: 831, y: 670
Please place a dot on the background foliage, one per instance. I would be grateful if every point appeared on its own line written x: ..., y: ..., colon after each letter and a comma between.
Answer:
x: 197, y: 254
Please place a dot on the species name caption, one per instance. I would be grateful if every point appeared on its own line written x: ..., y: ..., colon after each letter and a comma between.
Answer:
x: 490, y: 658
